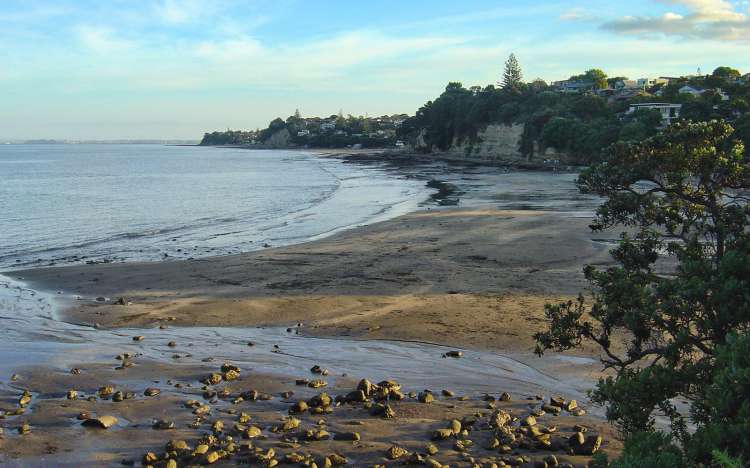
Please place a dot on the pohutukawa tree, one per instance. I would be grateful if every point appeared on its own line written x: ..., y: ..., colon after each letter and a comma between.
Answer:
x: 672, y: 317
x: 512, y: 76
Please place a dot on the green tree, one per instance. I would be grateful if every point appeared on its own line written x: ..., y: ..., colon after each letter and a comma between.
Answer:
x: 512, y: 76
x: 598, y: 77
x: 663, y: 329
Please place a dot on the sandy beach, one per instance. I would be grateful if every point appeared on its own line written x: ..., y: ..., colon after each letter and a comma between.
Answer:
x: 436, y: 280
x: 472, y: 278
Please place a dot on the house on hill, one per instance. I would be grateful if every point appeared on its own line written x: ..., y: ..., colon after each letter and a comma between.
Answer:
x: 571, y: 86
x: 669, y: 112
x: 687, y: 89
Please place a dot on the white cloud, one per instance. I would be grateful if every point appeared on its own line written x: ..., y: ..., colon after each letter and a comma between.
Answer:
x: 101, y: 40
x: 576, y: 14
x: 704, y: 19
x: 181, y: 11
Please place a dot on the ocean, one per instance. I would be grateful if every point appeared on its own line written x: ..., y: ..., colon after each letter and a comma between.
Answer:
x: 64, y: 204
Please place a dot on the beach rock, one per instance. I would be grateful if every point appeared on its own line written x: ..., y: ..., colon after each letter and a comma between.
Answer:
x: 176, y: 445
x: 299, y: 407
x: 365, y: 386
x: 455, y: 427
x: 106, y: 391
x: 551, y: 409
x: 528, y: 421
x: 505, y: 397
x: 347, y: 436
x: 316, y: 435
x: 571, y: 406
x: 290, y: 424
x: 172, y: 344
x: 201, y: 449
x: 396, y: 452
x: 139, y: 338
x: 212, y: 457
x: 151, y: 391
x: 382, y: 410
x: 72, y: 395
x: 118, y: 396
x: 335, y: 459
x: 442, y: 434
x: 150, y: 458
x: 163, y: 424
x: 252, y: 432
x: 320, y: 400
x: 431, y: 449
x: 357, y: 396
x: 75, y: 371
x: 24, y: 399
x: 213, y: 379
x: 448, y: 393
x: 121, y: 301
x: 101, y: 422
x: 426, y: 397
x: 317, y: 383
x: 454, y: 354
x: 557, y: 401
x: 24, y: 429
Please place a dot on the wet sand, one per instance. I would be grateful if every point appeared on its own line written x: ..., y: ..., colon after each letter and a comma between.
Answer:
x: 474, y: 279
x: 470, y: 278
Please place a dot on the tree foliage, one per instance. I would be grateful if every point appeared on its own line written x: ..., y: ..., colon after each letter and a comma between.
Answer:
x: 666, y: 314
x: 512, y: 76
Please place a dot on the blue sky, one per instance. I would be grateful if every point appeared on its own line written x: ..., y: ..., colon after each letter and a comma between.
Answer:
x: 104, y: 69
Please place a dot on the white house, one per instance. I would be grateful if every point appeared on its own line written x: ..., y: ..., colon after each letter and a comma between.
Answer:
x: 690, y: 90
x: 328, y: 126
x: 303, y: 133
x: 669, y: 112
x: 651, y: 82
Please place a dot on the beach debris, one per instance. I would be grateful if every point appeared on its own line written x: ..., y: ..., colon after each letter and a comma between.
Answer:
x: 75, y: 371
x: 101, y: 422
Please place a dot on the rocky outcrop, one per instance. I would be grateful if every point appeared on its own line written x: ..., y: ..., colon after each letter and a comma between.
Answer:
x: 280, y: 139
x: 500, y: 144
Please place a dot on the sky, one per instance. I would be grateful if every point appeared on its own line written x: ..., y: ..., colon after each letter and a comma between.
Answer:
x: 173, y: 69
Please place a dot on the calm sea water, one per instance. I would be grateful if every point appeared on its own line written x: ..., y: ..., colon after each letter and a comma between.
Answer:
x: 88, y: 203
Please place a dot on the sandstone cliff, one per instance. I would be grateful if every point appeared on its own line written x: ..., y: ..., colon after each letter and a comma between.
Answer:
x: 498, y: 143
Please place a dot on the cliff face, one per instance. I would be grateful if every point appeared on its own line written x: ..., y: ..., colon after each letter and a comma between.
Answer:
x: 498, y: 143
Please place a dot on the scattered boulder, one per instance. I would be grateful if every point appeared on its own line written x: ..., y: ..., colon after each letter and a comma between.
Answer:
x: 101, y: 422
